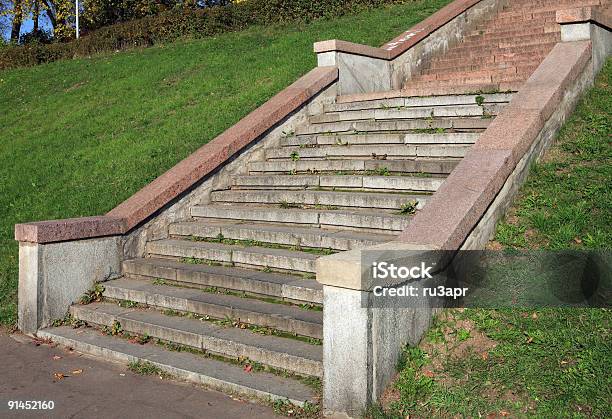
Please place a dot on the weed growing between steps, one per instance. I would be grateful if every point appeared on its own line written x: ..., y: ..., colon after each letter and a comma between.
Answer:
x: 93, y: 295
x: 409, y: 208
x: 515, y: 363
x: 148, y: 368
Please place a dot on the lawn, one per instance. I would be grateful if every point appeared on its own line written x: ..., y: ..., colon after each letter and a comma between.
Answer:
x: 78, y: 137
x: 548, y: 363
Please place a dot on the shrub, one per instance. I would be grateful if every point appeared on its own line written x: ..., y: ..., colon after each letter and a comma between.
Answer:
x: 173, y: 24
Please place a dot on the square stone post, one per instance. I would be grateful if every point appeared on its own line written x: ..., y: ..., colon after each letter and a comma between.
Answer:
x: 362, y: 344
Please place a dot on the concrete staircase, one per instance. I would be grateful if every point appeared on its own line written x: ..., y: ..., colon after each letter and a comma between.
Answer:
x: 500, y: 54
x: 235, y: 287
x: 230, y: 299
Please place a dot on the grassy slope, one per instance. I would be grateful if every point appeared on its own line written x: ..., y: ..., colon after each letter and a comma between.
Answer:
x: 545, y: 363
x: 78, y: 137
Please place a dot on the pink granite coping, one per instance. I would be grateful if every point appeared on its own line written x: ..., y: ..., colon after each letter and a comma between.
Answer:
x: 598, y: 14
x: 69, y: 229
x: 185, y: 174
x: 403, y: 42
x: 351, y: 48
x: 462, y: 200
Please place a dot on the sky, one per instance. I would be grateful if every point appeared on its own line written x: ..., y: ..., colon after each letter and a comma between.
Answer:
x: 27, y: 26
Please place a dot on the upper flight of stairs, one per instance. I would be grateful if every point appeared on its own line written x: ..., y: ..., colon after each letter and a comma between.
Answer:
x: 229, y: 299
x: 500, y: 54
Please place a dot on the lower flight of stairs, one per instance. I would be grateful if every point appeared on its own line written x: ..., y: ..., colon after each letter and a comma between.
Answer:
x: 230, y: 299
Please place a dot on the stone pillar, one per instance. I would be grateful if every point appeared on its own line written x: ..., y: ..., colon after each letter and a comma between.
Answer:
x: 52, y: 276
x: 362, y: 343
x: 358, y: 73
x: 588, y: 24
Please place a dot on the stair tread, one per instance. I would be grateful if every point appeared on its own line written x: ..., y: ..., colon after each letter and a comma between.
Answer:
x: 106, y: 313
x: 272, y: 277
x: 395, y: 151
x: 151, y: 290
x: 391, y: 222
x: 365, y: 139
x: 184, y: 365
x: 399, y: 98
x: 314, y: 197
x: 395, y: 125
x: 293, y: 230
x: 439, y: 165
x: 231, y: 247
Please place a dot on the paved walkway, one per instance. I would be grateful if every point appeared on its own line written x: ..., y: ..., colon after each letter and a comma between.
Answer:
x: 102, y: 390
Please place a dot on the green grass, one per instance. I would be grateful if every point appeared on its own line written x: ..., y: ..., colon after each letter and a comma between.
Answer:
x: 567, y: 199
x: 78, y: 137
x: 547, y: 363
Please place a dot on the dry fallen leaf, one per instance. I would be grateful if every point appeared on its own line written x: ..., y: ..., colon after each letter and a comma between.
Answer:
x: 428, y: 373
x: 530, y: 340
x: 504, y: 413
x: 76, y: 372
x: 534, y: 316
x: 484, y: 356
x: 56, y: 357
x: 59, y: 376
x: 578, y: 240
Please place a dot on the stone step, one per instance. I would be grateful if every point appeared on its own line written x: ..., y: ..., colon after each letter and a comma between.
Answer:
x: 497, y: 24
x: 508, y: 46
x: 512, y: 33
x: 482, y: 75
x: 520, y: 38
x: 286, y: 318
x: 504, y: 21
x: 442, y: 67
x: 281, y: 286
x: 282, y: 353
x: 459, y: 124
x: 482, y: 62
x: 428, y: 166
x: 186, y: 366
x: 524, y: 14
x: 377, y: 221
x: 279, y: 234
x: 357, y: 182
x: 448, y: 100
x: 497, y: 51
x: 386, y: 152
x: 318, y: 198
x: 461, y: 86
x: 511, y: 30
x: 407, y: 113
x: 376, y: 139
x: 251, y: 256
x: 504, y: 44
x: 552, y: 4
